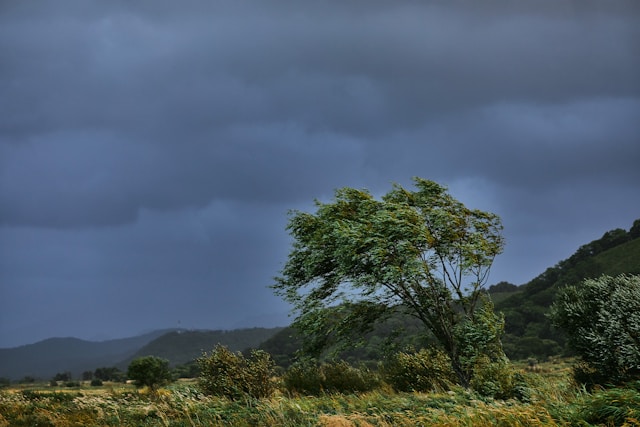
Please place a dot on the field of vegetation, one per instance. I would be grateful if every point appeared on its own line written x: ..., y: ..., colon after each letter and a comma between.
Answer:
x: 552, y: 400
x: 460, y: 375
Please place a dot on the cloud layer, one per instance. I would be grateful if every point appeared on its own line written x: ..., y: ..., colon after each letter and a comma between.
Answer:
x: 149, y: 151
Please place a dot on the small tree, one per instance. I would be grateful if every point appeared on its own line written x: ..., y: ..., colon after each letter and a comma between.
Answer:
x: 423, y: 252
x: 149, y: 371
x: 602, y: 320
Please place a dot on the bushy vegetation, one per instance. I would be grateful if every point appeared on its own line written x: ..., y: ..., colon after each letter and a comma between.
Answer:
x: 555, y: 401
x: 308, y: 377
x: 602, y: 320
x: 228, y: 374
x: 422, y: 371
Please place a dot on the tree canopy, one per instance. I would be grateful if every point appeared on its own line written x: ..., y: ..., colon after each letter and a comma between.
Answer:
x: 150, y: 371
x: 420, y: 251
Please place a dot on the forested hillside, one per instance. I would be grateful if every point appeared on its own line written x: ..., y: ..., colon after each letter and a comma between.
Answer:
x: 180, y: 347
x: 528, y: 330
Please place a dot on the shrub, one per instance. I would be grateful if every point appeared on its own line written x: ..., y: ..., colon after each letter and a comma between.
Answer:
x: 96, y: 382
x: 426, y: 370
x: 602, y: 318
x: 499, y: 380
x: 304, y: 377
x: 229, y: 374
x: 310, y: 378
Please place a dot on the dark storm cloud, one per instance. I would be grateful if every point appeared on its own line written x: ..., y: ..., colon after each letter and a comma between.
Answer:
x: 154, y: 147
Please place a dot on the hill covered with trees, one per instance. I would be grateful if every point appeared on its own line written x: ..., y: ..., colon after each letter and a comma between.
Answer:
x: 528, y: 331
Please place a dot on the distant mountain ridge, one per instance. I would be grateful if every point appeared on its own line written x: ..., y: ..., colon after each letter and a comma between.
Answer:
x: 46, y: 358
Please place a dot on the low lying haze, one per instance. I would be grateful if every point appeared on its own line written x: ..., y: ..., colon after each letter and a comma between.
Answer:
x: 150, y: 150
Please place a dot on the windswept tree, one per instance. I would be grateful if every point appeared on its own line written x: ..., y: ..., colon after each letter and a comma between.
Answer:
x: 422, y: 252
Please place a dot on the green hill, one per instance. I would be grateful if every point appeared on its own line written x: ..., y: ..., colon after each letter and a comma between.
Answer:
x: 46, y: 358
x: 528, y: 331
x: 181, y: 347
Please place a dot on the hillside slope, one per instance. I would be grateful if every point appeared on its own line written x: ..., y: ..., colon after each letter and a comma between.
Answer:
x: 46, y: 358
x: 528, y: 331
x: 180, y: 347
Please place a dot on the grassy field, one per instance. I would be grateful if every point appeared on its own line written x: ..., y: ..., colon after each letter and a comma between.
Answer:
x: 554, y: 401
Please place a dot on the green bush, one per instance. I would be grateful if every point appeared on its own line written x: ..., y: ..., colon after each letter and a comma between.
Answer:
x: 499, y: 380
x: 304, y: 377
x: 229, y: 374
x: 96, y: 382
x: 426, y: 370
x: 309, y: 378
x: 602, y: 318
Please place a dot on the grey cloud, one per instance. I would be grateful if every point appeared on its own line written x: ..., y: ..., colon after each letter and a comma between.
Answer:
x: 244, y: 63
x: 154, y: 148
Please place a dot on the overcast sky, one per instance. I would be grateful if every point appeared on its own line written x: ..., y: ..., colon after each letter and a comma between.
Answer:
x: 150, y: 150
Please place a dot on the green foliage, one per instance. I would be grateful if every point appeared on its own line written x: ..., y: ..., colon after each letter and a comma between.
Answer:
x: 602, y: 319
x: 420, y: 251
x: 499, y: 380
x: 480, y: 337
x: 188, y: 370
x: 307, y: 377
x: 425, y: 370
x: 229, y: 374
x: 96, y: 382
x: 150, y: 371
x: 109, y: 374
x: 614, y: 407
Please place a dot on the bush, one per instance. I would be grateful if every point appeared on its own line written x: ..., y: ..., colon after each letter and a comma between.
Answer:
x: 498, y: 380
x: 304, y: 377
x: 426, y: 370
x: 229, y: 374
x: 310, y: 378
x: 96, y: 382
x: 602, y: 318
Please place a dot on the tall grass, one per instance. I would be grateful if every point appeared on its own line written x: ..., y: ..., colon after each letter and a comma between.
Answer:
x: 555, y: 401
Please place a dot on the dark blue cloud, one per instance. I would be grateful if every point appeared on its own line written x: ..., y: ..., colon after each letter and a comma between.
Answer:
x: 150, y: 151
